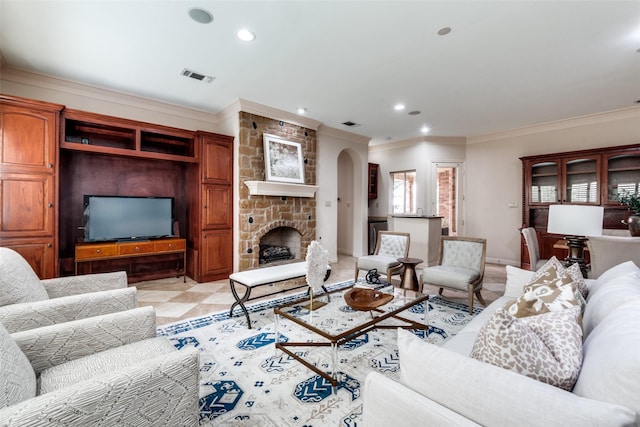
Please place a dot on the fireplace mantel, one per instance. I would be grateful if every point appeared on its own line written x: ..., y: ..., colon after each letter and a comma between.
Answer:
x: 271, y: 188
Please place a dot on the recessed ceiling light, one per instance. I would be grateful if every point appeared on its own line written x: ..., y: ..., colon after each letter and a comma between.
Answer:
x: 444, y: 31
x: 398, y: 107
x: 425, y: 129
x: 201, y: 16
x: 302, y: 110
x: 246, y: 35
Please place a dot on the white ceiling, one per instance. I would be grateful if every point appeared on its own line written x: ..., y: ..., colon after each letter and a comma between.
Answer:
x: 505, y: 64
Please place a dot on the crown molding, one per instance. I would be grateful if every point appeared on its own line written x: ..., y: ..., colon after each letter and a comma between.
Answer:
x: 590, y: 119
x: 273, y: 113
x: 343, y: 135
x: 111, y: 96
x: 437, y: 140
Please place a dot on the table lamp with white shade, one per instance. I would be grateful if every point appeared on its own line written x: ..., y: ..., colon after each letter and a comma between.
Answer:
x: 576, y: 222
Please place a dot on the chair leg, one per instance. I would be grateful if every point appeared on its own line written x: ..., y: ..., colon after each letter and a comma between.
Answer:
x: 355, y: 279
x: 440, y: 291
x: 480, y: 298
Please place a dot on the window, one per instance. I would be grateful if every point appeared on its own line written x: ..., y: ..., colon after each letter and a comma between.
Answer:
x: 404, y: 192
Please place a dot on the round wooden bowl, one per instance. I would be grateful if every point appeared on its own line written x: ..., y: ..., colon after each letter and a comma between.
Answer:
x: 362, y: 299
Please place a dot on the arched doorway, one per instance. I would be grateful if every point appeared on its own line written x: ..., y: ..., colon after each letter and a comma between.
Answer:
x: 346, y: 204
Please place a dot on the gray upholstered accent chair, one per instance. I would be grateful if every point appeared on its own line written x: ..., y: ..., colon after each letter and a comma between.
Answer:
x: 531, y: 241
x: 27, y: 302
x: 108, y: 370
x: 609, y: 251
x: 390, y: 246
x: 460, y: 267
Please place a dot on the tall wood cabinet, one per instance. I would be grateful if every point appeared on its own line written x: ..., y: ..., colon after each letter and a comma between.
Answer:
x: 211, y: 207
x: 586, y: 177
x: 29, y: 181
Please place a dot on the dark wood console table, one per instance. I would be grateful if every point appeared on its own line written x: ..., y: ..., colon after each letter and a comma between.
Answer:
x: 87, y: 252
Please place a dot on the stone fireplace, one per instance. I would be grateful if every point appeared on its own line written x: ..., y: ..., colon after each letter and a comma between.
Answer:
x: 273, y: 220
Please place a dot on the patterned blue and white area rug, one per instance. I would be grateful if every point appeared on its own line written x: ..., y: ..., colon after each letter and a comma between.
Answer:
x: 245, y: 382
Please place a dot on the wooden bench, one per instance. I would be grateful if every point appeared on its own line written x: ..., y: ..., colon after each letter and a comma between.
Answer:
x: 266, y: 276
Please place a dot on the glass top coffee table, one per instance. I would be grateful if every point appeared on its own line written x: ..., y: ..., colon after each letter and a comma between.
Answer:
x: 335, y: 323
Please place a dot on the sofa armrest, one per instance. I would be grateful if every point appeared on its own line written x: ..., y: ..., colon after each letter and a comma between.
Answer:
x: 162, y: 391
x: 52, y: 345
x: 30, y: 315
x: 388, y: 403
x: 493, y: 396
x: 74, y: 285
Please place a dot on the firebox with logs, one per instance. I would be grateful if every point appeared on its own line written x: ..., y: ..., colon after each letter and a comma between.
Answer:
x: 273, y: 253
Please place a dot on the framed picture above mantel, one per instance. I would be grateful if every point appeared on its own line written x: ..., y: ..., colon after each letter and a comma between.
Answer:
x: 283, y: 160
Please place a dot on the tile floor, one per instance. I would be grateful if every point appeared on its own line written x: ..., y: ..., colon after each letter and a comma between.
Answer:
x: 175, y: 300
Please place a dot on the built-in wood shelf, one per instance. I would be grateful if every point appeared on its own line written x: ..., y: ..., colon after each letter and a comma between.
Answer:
x: 270, y: 188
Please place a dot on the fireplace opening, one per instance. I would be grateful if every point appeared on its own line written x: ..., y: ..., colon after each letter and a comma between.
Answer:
x: 279, y: 244
x: 273, y: 253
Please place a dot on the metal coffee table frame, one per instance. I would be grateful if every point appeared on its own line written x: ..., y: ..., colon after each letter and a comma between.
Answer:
x: 334, y: 341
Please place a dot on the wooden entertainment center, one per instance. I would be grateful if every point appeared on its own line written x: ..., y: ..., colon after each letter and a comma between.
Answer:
x: 53, y: 156
x: 88, y: 252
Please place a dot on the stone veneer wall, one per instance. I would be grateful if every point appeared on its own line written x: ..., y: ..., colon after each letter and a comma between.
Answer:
x: 269, y: 212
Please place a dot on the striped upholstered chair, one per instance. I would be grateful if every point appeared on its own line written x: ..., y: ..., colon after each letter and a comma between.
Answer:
x: 27, y: 302
x: 108, y: 370
x: 390, y: 246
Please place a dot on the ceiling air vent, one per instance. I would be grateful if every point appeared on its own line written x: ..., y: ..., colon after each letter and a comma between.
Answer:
x: 197, y: 76
x: 350, y: 124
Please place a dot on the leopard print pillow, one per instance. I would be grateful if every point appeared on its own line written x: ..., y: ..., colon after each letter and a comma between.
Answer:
x: 553, y: 269
x: 546, y: 347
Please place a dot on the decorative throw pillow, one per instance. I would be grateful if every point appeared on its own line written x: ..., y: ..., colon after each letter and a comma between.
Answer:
x: 552, y: 288
x: 547, y: 347
x: 555, y: 267
x: 544, y: 298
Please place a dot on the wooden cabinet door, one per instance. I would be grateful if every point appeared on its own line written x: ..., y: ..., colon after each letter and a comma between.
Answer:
x: 217, y: 255
x: 373, y: 180
x: 27, y: 205
x: 216, y: 210
x: 621, y: 173
x: 581, y: 178
x: 217, y: 160
x: 542, y: 182
x: 39, y: 253
x: 27, y: 141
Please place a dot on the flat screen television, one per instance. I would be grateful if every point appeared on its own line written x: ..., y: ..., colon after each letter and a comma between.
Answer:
x: 127, y: 218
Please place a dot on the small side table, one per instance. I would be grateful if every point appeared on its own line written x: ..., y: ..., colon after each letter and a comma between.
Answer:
x: 409, y: 278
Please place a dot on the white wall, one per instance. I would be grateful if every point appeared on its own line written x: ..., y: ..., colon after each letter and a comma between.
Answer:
x: 331, y: 143
x: 494, y: 171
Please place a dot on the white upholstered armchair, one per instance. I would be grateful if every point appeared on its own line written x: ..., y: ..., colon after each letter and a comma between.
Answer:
x: 27, y: 302
x: 390, y: 246
x: 461, y: 262
x: 107, y: 370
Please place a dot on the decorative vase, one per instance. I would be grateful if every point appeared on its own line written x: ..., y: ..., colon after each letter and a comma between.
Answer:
x: 634, y: 224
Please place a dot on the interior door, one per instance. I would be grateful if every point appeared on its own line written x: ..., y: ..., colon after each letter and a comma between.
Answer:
x: 447, y: 196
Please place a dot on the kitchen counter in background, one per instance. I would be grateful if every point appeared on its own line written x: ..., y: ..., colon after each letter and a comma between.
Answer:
x: 425, y: 232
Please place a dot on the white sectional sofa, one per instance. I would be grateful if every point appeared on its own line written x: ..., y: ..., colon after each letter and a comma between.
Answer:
x: 444, y: 386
